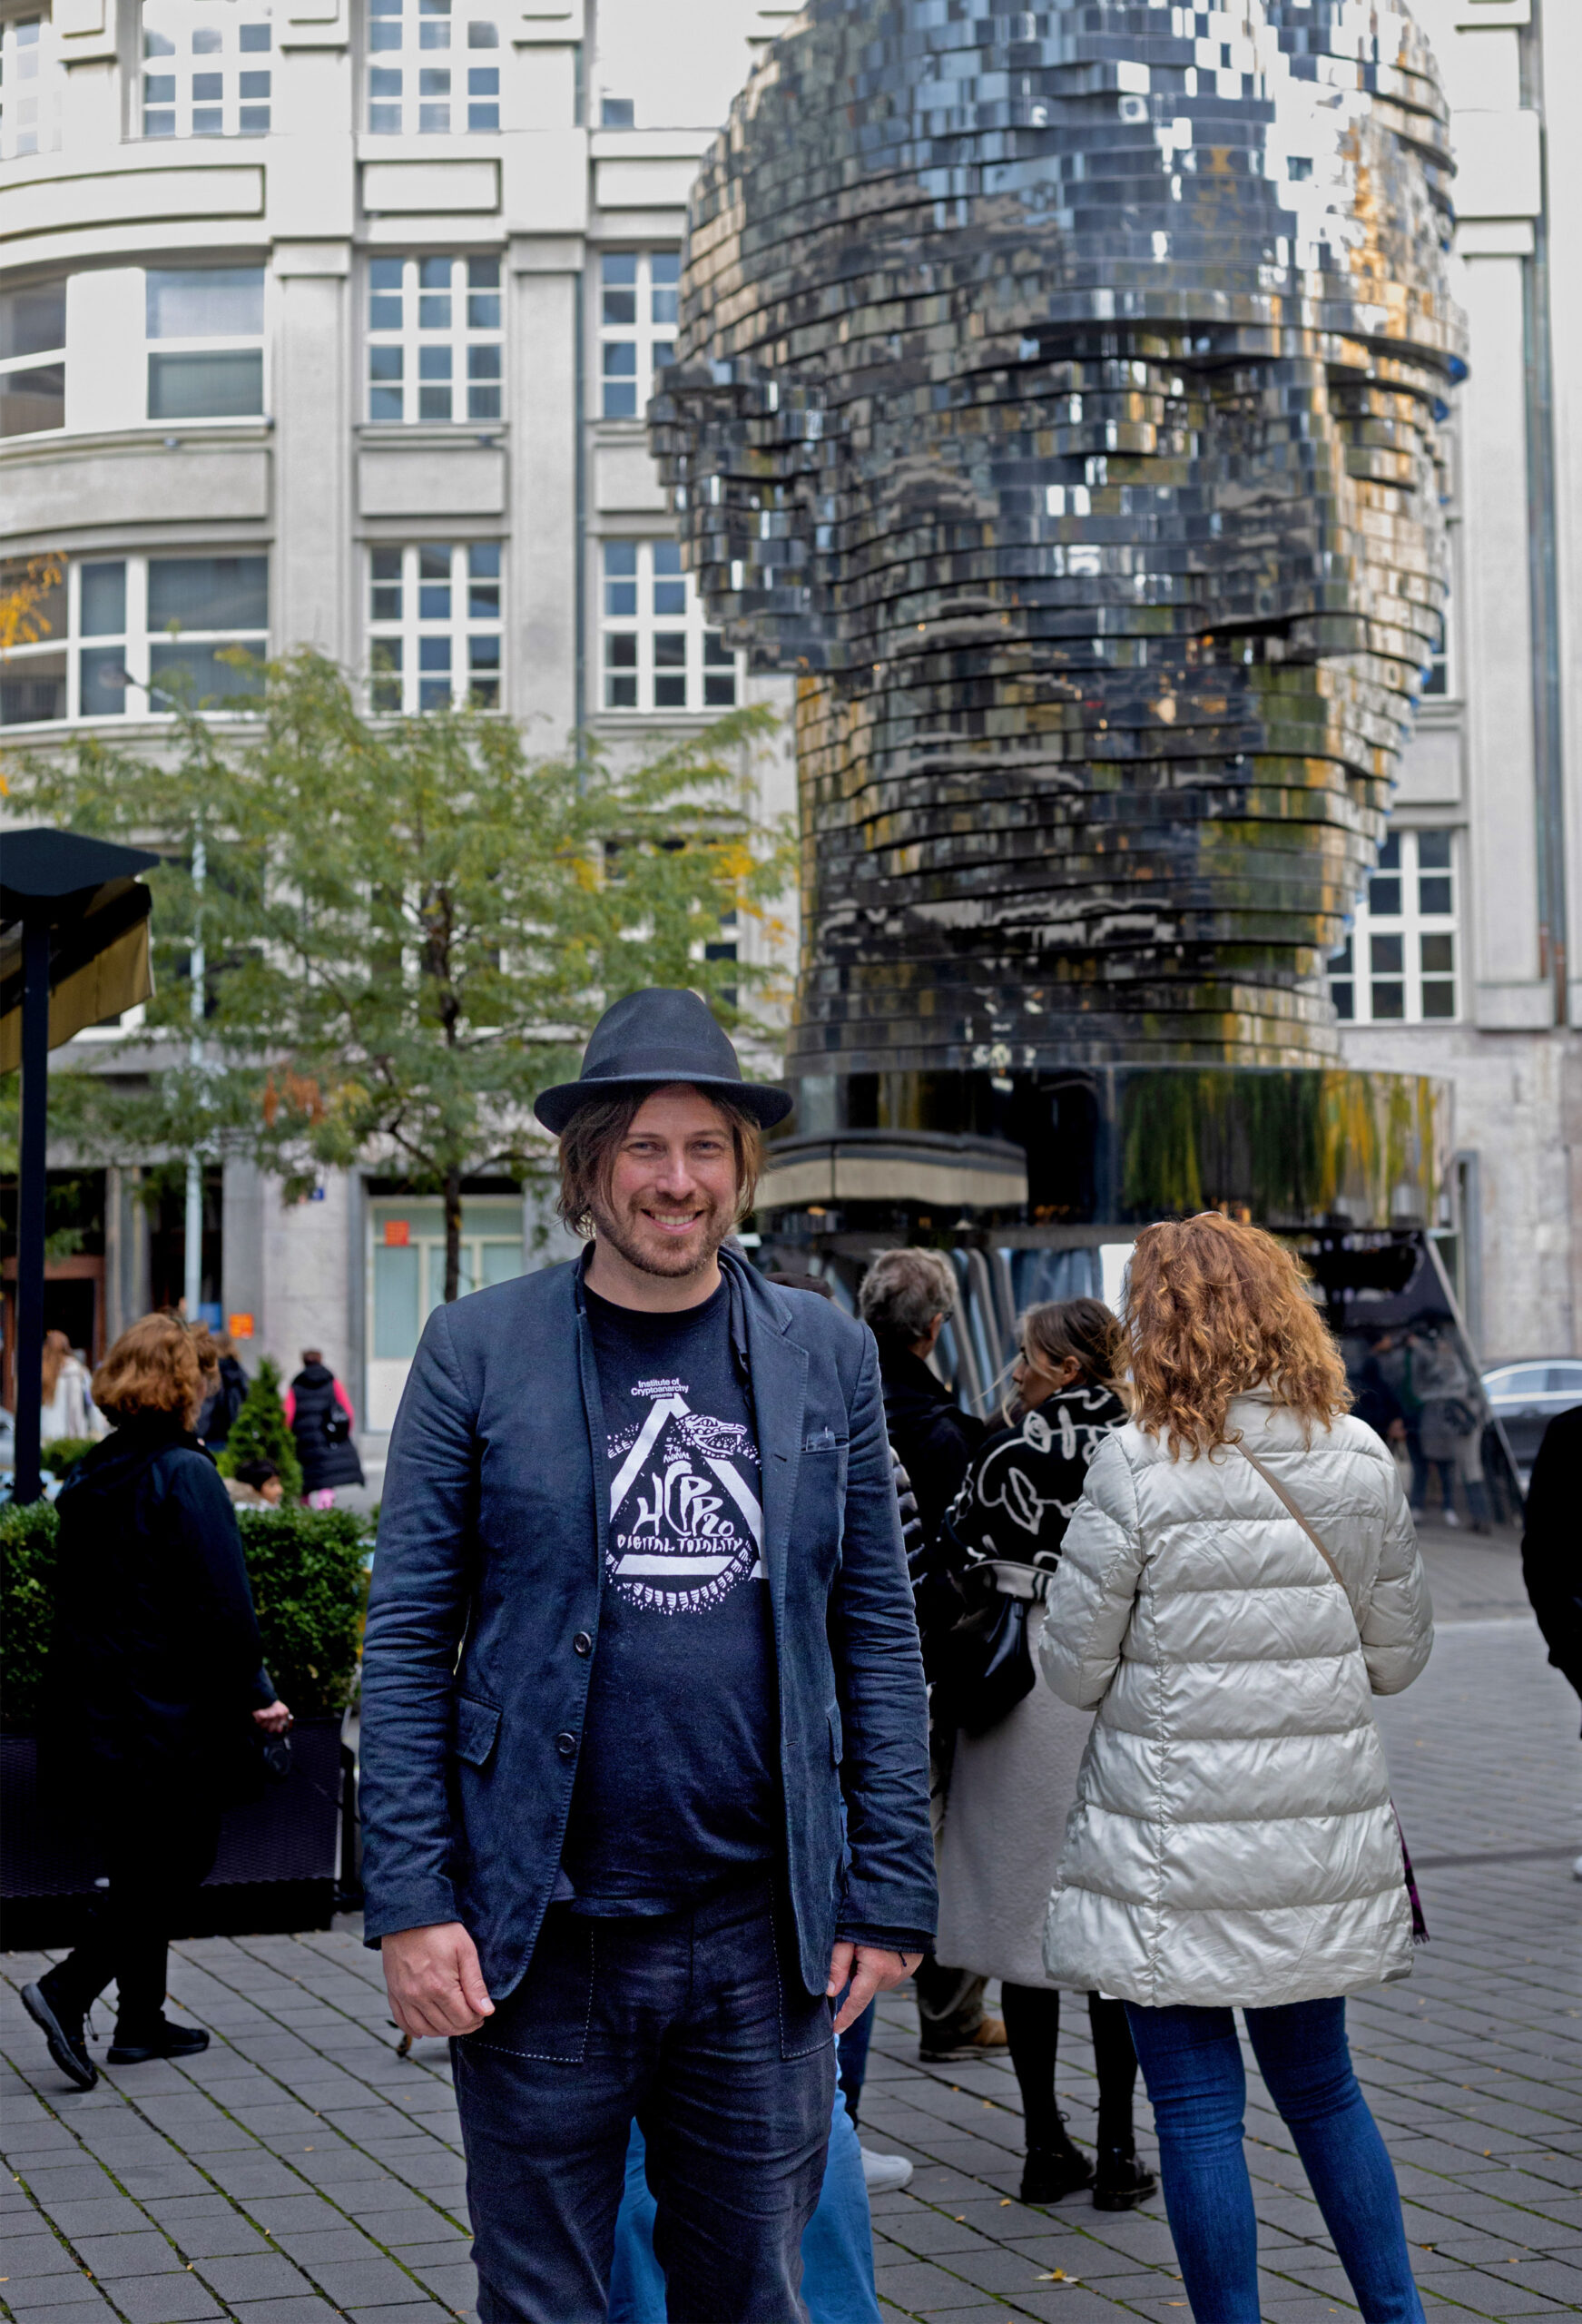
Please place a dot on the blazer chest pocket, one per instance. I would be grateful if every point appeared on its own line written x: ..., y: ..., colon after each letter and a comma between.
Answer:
x: 823, y: 1440
x: 475, y: 1726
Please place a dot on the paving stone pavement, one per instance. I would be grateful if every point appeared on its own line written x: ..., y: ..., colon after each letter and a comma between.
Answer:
x: 300, y: 2171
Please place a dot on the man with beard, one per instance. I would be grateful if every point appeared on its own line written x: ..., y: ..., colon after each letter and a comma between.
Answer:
x: 645, y: 1772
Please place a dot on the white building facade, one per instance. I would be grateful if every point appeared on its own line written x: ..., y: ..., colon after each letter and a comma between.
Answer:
x: 333, y: 323
x: 1465, y: 959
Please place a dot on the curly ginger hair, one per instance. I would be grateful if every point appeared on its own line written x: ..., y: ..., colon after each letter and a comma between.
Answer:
x: 1213, y: 1309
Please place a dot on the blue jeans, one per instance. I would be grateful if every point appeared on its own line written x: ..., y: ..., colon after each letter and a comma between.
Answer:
x: 852, y: 2058
x: 837, y: 2244
x: 696, y: 2025
x: 1192, y: 2064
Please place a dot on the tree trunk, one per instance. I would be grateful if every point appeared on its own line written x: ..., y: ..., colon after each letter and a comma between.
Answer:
x: 452, y: 1234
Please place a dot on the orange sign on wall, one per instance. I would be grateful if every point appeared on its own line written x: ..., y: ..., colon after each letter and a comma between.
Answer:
x: 397, y: 1233
x: 239, y: 1326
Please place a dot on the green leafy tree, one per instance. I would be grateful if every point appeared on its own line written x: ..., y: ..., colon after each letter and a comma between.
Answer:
x: 410, y: 927
x: 261, y: 1431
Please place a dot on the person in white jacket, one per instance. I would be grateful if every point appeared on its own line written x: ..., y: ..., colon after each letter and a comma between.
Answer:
x: 1239, y: 1576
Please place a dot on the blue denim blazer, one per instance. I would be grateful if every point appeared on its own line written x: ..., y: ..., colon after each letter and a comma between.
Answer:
x: 489, y: 1568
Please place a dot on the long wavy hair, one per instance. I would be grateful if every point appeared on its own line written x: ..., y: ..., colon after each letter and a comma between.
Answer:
x: 1213, y: 1309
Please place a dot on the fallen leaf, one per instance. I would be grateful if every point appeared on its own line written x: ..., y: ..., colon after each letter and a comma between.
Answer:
x: 1005, y: 2203
x: 1058, y: 2276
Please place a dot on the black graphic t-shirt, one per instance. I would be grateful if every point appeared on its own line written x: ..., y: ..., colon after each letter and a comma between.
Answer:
x: 677, y: 1786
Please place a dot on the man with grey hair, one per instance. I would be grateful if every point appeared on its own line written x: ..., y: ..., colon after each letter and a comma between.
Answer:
x: 906, y: 1298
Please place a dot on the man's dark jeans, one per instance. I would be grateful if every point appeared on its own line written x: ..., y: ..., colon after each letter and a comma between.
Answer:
x: 698, y: 2025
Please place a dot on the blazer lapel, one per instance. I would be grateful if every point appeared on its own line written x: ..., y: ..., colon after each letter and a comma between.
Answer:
x: 779, y: 1369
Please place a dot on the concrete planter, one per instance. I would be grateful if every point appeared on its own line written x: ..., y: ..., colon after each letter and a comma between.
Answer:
x: 275, y: 1868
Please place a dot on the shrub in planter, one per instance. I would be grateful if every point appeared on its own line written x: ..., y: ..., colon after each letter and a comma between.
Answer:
x: 58, y: 1455
x: 309, y: 1570
x: 260, y: 1431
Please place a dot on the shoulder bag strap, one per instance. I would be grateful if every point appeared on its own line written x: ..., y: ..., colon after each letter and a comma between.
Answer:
x: 1276, y: 1487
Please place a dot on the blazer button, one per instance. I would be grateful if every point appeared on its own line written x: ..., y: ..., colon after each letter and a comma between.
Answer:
x: 566, y: 1746
x: 582, y: 1643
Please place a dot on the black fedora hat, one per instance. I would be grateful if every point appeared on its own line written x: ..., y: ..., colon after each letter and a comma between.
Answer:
x: 650, y: 1040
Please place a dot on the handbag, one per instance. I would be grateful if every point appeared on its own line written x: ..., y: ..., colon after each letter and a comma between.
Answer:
x: 990, y: 1665
x: 1420, y: 1927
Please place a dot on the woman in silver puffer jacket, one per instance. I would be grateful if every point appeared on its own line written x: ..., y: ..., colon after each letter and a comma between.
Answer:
x: 1239, y: 1577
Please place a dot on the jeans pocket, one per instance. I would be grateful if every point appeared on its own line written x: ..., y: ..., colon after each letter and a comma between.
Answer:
x: 548, y: 2015
x: 806, y: 2020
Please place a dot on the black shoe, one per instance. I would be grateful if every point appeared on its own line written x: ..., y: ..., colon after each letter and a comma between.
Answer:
x: 1050, y: 2173
x: 1120, y: 2183
x: 159, y: 2039
x: 68, y: 2044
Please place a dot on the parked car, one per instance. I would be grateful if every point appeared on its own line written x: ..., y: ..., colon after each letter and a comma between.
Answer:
x: 1526, y: 1397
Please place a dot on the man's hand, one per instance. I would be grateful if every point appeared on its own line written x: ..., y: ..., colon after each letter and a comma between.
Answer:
x: 435, y: 1983
x: 274, y: 1719
x: 868, y: 1969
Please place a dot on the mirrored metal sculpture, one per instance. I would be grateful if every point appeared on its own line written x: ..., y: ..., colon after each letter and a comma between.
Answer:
x: 1057, y: 396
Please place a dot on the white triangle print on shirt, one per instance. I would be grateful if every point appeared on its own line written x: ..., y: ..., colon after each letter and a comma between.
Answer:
x: 686, y: 1527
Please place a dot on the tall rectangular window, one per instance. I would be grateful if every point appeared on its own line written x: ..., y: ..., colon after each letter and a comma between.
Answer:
x: 205, y: 329
x: 130, y: 637
x: 434, y: 627
x: 428, y: 77
x: 658, y: 654
x: 32, y: 357
x: 29, y: 86
x: 638, y: 312
x: 1398, y: 965
x: 206, y: 68
x: 435, y: 343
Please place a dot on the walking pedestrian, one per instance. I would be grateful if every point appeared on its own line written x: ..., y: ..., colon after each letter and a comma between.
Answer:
x: 905, y: 1299
x: 1241, y: 1572
x: 218, y: 1416
x: 319, y: 1416
x: 1012, y: 1788
x: 154, y: 1679
x: 640, y: 1632
x: 66, y: 1408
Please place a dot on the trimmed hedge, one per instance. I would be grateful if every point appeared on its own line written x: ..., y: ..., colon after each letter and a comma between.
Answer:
x: 57, y: 1456
x: 309, y: 1570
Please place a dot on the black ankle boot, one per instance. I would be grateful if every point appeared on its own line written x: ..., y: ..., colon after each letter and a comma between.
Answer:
x: 1120, y: 2183
x: 63, y: 2030
x: 136, y: 2046
x: 1055, y: 2170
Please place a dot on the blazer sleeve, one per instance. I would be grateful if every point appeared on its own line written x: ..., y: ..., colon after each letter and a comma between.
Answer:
x: 1397, y: 1625
x: 884, y: 1708
x: 417, y: 1608
x: 1090, y: 1600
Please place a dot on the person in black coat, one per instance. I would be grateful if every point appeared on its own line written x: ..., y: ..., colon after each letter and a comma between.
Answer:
x: 225, y: 1398
x: 155, y: 1678
x: 320, y: 1418
x: 1551, y: 1546
x: 905, y: 1299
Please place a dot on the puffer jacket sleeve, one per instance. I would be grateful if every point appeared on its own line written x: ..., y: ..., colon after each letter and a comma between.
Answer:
x: 1095, y: 1588
x: 1398, y: 1627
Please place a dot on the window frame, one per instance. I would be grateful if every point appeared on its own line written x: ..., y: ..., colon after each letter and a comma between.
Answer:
x: 410, y: 339
x: 45, y: 129
x: 209, y: 343
x: 132, y: 645
x: 647, y: 337
x: 400, y: 56
x: 239, y: 108
x: 646, y: 625
x: 410, y: 628
x: 41, y: 360
x: 1357, y: 967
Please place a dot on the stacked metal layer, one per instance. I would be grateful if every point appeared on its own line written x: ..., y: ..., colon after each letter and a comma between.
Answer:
x: 1058, y: 393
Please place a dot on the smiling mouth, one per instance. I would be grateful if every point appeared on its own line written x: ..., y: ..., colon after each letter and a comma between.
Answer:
x: 676, y: 1223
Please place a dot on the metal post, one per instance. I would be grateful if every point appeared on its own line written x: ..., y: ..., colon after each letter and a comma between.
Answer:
x: 193, y: 1255
x: 30, y: 1209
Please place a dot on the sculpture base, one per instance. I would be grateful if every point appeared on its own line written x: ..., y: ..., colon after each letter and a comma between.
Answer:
x: 904, y: 1154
